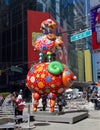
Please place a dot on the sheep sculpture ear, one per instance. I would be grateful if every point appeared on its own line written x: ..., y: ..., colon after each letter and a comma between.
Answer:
x: 55, y: 67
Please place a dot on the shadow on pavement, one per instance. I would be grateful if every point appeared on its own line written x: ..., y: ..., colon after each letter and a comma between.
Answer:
x: 41, y: 124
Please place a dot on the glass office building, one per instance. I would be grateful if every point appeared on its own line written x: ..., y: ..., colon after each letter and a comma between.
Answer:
x: 13, y: 39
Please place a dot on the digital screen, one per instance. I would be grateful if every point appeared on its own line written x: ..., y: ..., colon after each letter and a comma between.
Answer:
x: 95, y: 26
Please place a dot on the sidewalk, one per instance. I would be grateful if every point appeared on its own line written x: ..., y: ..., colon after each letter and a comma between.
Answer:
x: 94, y: 114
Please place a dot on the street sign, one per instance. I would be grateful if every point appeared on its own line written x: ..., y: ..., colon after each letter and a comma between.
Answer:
x: 16, y: 69
x: 81, y: 35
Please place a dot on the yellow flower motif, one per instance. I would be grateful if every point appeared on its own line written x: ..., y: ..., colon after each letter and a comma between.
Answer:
x: 40, y: 68
x: 32, y: 86
x: 37, y: 75
x: 41, y: 85
x: 40, y: 91
x: 48, y: 52
x: 53, y: 78
x: 52, y: 85
x: 42, y: 75
x: 36, y: 88
x: 47, y: 90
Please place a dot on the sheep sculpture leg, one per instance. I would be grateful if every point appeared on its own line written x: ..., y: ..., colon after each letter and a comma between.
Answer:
x: 36, y: 98
x: 52, y: 98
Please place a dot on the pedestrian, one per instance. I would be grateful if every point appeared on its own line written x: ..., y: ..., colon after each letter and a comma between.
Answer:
x: 96, y: 100
x: 60, y: 102
x: 8, y: 101
x: 13, y: 97
x: 1, y: 99
x: 20, y: 105
x: 21, y: 92
x: 89, y: 92
x: 94, y: 97
x: 44, y: 102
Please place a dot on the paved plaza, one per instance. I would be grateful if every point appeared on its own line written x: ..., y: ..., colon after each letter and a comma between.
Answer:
x: 90, y: 123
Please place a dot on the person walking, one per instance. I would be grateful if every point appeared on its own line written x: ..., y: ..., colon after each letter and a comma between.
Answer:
x: 61, y: 102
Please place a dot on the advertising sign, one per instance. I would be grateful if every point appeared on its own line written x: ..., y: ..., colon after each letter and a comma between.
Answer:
x: 80, y: 66
x: 88, y: 65
x: 96, y: 65
x: 97, y: 57
x: 95, y: 24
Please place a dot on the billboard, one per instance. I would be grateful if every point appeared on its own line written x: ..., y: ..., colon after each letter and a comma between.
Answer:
x: 88, y: 65
x: 34, y: 19
x: 95, y: 25
x: 80, y: 66
x: 96, y: 65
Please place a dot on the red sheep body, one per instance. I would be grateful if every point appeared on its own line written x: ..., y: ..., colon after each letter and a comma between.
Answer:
x: 42, y: 82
